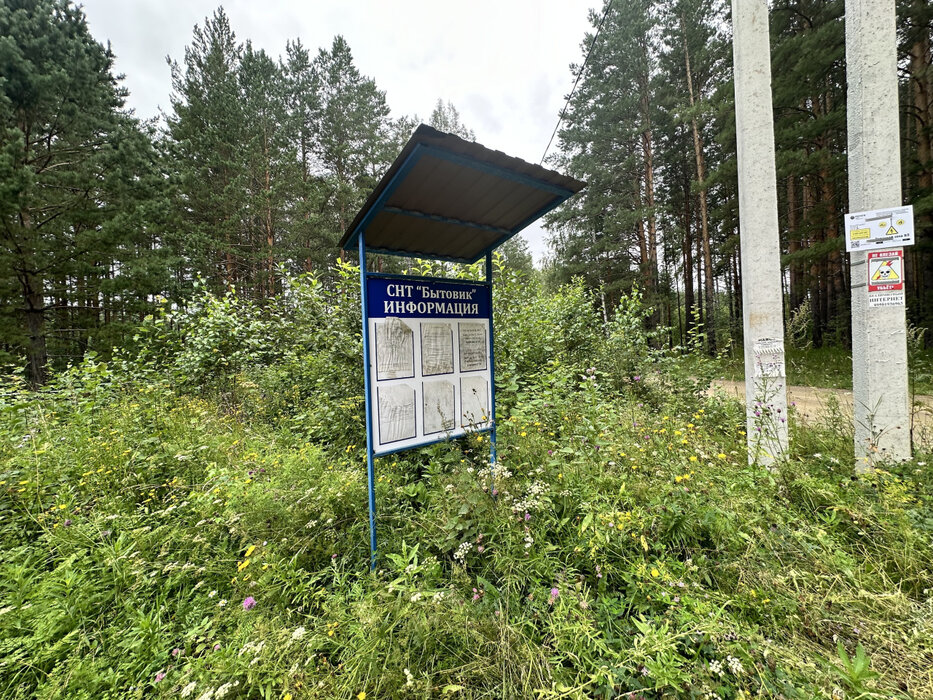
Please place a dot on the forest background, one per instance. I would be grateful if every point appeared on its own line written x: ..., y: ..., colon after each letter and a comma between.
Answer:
x: 261, y: 163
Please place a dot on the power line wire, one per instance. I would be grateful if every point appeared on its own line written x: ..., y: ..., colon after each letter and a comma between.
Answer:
x: 586, y: 60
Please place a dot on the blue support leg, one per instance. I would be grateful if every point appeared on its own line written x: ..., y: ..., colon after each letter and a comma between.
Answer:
x: 370, y: 470
x: 492, y: 369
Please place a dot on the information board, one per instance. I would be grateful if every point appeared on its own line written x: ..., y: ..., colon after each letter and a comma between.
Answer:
x: 880, y: 228
x: 430, y: 360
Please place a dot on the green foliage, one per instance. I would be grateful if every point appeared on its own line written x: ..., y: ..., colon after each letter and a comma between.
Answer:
x: 175, y: 524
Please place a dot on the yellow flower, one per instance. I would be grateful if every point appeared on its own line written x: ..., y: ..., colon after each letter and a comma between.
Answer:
x: 693, y: 458
x: 252, y: 548
x: 655, y: 573
x: 242, y: 565
x: 721, y: 456
x: 361, y: 696
x: 287, y: 696
x: 523, y: 433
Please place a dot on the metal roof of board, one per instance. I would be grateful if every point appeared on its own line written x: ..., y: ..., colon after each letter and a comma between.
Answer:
x: 450, y: 199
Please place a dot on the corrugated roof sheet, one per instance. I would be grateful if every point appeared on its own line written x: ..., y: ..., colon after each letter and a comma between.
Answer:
x: 451, y: 199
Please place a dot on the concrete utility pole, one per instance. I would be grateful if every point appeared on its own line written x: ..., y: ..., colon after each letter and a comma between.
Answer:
x: 762, y: 295
x: 879, y: 334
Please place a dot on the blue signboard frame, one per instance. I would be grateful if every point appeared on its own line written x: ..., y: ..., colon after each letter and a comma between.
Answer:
x: 375, y: 303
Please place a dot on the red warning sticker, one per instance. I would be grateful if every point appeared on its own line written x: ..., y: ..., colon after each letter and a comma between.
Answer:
x: 886, y: 271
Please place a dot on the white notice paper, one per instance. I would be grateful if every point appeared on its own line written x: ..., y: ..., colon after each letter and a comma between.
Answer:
x: 437, y: 349
x: 472, y: 347
x: 769, y: 357
x: 440, y: 412
x: 474, y: 401
x: 395, y: 353
x: 396, y: 413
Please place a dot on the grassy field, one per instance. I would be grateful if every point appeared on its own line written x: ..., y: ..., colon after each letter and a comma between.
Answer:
x: 171, y: 530
x: 830, y: 367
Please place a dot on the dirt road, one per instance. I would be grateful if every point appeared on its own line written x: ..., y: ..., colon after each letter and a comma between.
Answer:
x: 813, y: 403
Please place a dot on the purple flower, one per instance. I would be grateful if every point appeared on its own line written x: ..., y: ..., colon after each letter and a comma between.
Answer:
x: 527, y: 517
x: 333, y: 556
x: 159, y: 676
x: 480, y: 549
x: 67, y: 523
x: 217, y: 646
x: 176, y: 652
x: 550, y: 452
x: 249, y: 603
x: 555, y: 594
x: 495, y: 492
x: 637, y: 378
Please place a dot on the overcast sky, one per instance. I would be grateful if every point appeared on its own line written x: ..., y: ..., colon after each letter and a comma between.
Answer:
x: 504, y: 64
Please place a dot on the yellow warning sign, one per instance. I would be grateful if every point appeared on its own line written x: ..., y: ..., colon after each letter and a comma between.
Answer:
x: 892, y: 231
x: 886, y: 273
x: 900, y: 222
x: 882, y: 224
x: 860, y: 234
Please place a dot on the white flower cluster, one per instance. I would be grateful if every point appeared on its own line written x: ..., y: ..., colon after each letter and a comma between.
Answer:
x: 416, y: 597
x: 735, y: 666
x: 409, y: 678
x: 255, y: 647
x: 532, y: 500
x: 529, y: 540
x: 187, y: 690
x: 225, y: 689
x: 499, y: 472
x: 715, y: 668
x: 462, y: 551
x: 438, y: 597
x: 298, y: 633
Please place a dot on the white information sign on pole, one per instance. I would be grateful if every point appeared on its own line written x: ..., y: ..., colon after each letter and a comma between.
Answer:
x: 430, y: 366
x: 880, y: 228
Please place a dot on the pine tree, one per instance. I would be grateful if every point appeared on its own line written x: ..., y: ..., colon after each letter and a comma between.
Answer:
x: 70, y: 163
x: 206, y: 130
x: 351, y: 134
x: 608, y: 235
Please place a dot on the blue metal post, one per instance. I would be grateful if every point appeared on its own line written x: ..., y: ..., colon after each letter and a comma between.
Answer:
x: 492, y: 367
x: 370, y: 471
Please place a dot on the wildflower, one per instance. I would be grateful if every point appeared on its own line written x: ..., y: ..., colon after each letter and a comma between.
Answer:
x: 462, y: 551
x: 409, y: 679
x: 212, y: 594
x: 715, y: 668
x: 655, y: 573
x: 159, y: 676
x: 177, y: 652
x: 735, y: 666
x: 527, y: 517
x: 222, y: 603
x: 187, y: 690
x: 252, y: 548
x: 361, y: 696
x: 249, y: 603
x: 555, y: 594
x: 298, y: 633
